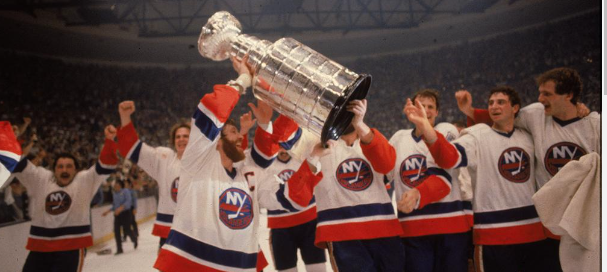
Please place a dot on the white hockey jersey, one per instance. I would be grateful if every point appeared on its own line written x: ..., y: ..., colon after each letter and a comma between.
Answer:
x: 61, y: 215
x: 272, y: 196
x: 351, y: 199
x: 160, y: 163
x: 501, y: 166
x: 216, y: 220
x: 441, y: 209
x: 558, y: 142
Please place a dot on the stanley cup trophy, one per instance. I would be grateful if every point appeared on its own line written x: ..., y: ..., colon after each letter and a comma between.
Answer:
x: 290, y: 77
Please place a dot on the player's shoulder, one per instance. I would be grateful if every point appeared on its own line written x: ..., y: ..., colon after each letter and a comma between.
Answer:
x: 533, y: 108
x: 162, y: 150
x: 476, y: 130
x: 401, y: 134
x: 448, y: 130
x: 593, y: 117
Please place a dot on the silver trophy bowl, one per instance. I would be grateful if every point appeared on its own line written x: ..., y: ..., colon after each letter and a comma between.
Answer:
x: 292, y: 78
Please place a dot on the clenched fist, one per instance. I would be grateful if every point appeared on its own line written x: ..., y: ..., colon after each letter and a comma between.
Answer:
x: 110, y: 132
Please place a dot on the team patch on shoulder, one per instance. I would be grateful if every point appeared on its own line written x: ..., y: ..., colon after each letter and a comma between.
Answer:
x: 354, y: 174
x: 57, y: 202
x: 174, y: 189
x: 235, y: 208
x: 514, y: 164
x: 413, y: 170
x: 560, y: 154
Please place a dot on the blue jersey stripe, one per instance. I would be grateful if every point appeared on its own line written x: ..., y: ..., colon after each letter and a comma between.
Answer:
x: 281, y: 212
x: 103, y: 171
x: 8, y: 162
x: 167, y: 218
x: 438, y: 172
x: 48, y: 232
x: 290, y: 143
x: 504, y: 216
x: 20, y: 166
x: 135, y: 155
x: 350, y: 212
x: 463, y: 157
x: 206, y: 125
x: 280, y: 196
x: 211, y: 253
x: 259, y: 159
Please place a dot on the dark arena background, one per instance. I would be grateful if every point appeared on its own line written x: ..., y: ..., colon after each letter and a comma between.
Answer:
x: 67, y: 64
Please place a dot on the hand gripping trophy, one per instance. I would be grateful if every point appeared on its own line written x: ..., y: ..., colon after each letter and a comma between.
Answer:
x: 291, y: 77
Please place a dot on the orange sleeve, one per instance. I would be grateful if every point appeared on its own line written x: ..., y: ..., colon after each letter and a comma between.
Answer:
x: 380, y: 153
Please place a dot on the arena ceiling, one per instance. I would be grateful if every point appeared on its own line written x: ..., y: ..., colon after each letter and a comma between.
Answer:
x: 165, y: 31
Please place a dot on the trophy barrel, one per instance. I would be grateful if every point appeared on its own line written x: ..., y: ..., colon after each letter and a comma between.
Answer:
x: 308, y: 87
x: 292, y: 78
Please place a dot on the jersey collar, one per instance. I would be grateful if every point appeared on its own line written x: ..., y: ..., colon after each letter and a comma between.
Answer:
x: 231, y: 174
x: 567, y: 122
x: 415, y: 138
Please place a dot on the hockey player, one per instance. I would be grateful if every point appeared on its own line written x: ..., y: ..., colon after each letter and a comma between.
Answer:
x: 289, y: 229
x: 161, y: 163
x: 434, y: 218
x: 356, y: 220
x: 59, y: 207
x: 559, y: 134
x: 507, y: 229
x: 215, y: 226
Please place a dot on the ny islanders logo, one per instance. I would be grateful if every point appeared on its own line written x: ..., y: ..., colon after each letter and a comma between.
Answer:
x: 560, y: 154
x: 413, y: 170
x: 286, y: 174
x: 514, y: 165
x: 354, y: 174
x: 235, y: 208
x: 57, y: 202
x: 174, y: 189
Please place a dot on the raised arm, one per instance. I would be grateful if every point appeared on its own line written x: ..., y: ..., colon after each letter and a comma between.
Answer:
x: 374, y: 145
x: 132, y: 148
x: 211, y: 114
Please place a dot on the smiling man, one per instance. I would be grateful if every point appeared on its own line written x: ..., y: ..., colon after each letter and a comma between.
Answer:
x: 508, y: 235
x: 434, y: 219
x: 161, y: 163
x: 60, y: 207
x: 559, y: 133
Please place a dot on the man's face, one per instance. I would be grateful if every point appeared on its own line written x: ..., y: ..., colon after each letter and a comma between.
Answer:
x: 182, y: 136
x: 231, y: 143
x: 65, y: 171
x: 117, y: 187
x: 283, y: 155
x: 500, y: 108
x: 429, y: 105
x: 553, y: 103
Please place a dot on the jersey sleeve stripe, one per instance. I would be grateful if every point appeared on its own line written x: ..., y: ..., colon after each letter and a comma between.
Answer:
x: 292, y: 140
x: 209, y: 126
x: 463, y: 159
x: 104, y: 170
x: 284, y: 201
x: 9, y: 162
